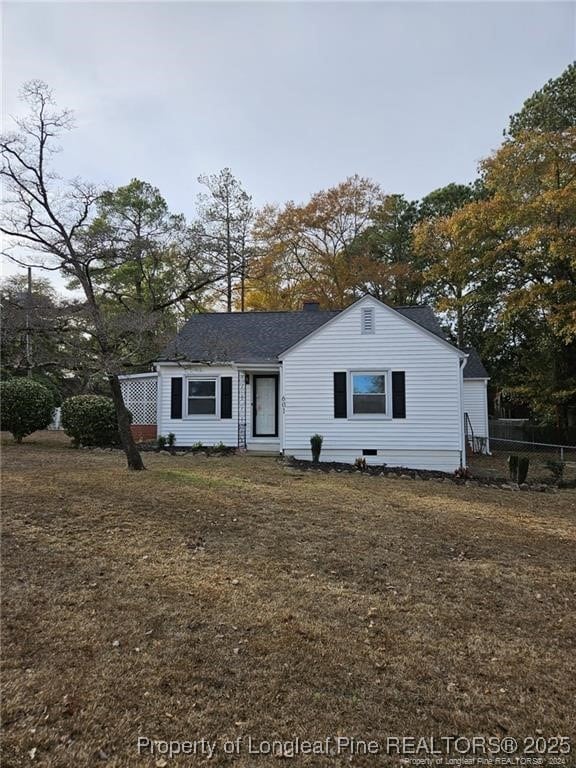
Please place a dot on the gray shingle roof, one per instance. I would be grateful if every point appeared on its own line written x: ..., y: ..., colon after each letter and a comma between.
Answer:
x: 474, y: 368
x: 259, y: 337
x: 246, y: 337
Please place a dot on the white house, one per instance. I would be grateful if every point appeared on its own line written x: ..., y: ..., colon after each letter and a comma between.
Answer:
x: 375, y: 381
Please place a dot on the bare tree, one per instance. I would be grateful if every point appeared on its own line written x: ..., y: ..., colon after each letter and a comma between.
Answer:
x: 52, y: 224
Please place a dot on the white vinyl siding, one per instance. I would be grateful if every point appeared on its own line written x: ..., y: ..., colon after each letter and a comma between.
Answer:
x: 431, y: 435
x: 476, y: 405
x: 207, y: 429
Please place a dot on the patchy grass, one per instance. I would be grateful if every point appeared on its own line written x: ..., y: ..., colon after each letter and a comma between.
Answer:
x: 221, y: 597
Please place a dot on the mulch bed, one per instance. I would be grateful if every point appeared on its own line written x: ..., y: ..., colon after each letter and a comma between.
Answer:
x: 404, y: 473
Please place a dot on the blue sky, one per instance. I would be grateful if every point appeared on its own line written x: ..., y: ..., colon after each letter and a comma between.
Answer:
x: 293, y: 97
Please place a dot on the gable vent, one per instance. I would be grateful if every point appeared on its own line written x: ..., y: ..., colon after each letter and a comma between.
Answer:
x: 368, y: 320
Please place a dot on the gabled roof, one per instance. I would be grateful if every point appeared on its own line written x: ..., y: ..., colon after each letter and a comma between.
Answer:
x: 260, y: 337
x: 242, y: 337
x: 474, y: 368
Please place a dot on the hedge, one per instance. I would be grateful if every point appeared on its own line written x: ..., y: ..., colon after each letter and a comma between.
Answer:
x: 90, y: 420
x: 26, y: 407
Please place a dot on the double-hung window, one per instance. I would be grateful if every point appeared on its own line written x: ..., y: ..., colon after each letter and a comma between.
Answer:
x: 369, y: 393
x: 202, y: 397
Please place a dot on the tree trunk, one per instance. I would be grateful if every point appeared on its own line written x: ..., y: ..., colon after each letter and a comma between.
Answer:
x: 561, y: 416
x: 459, y: 319
x: 133, y: 456
x: 228, y: 267
x: 242, y: 283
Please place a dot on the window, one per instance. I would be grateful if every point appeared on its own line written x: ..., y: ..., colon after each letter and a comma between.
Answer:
x: 202, y: 397
x: 369, y: 392
x: 368, y: 324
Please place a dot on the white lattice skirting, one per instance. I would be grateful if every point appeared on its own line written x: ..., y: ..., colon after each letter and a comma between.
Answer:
x: 140, y: 395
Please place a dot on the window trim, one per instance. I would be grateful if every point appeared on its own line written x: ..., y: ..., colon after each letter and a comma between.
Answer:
x: 370, y: 416
x: 202, y: 416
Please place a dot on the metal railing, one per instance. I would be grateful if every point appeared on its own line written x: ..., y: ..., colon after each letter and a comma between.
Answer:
x: 242, y: 409
x: 476, y: 443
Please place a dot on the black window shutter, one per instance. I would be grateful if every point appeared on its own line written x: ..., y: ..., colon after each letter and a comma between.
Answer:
x: 226, y: 397
x: 340, y: 399
x: 176, y: 398
x: 398, y: 395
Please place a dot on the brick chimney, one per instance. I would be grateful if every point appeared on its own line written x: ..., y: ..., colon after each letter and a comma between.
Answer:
x: 310, y: 306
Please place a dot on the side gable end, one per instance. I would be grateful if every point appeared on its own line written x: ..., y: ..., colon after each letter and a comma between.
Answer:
x: 366, y: 300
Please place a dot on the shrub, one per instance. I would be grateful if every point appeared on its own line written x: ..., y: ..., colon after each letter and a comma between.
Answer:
x: 513, y: 467
x: 316, y: 446
x: 90, y: 420
x: 47, y: 382
x: 361, y: 464
x: 523, y: 465
x: 26, y: 407
x: 171, y: 442
x: 518, y: 468
x: 160, y: 443
x: 556, y: 468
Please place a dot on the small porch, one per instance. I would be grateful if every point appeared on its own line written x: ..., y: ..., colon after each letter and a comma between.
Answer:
x: 259, y: 414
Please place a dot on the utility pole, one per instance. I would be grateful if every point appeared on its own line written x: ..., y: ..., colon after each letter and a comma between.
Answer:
x: 28, y: 323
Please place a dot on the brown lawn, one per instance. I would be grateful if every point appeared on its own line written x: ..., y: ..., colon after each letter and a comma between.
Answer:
x: 227, y: 597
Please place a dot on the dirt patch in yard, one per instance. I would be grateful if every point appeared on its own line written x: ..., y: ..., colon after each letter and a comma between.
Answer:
x: 222, y: 597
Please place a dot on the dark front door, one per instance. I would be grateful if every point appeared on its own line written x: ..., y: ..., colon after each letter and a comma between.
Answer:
x: 265, y: 406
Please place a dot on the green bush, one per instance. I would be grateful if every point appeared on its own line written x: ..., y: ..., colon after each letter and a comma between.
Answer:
x: 316, y: 447
x: 47, y: 382
x: 90, y: 420
x: 513, y: 467
x: 557, y: 468
x: 26, y: 407
x: 518, y: 468
x: 523, y: 466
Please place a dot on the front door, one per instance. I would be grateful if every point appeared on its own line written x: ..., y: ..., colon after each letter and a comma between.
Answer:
x: 265, y: 406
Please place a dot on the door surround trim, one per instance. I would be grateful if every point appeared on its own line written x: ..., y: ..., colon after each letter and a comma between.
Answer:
x: 255, y: 377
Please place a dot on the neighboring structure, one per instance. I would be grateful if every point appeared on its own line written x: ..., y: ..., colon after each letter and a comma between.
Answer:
x: 377, y: 382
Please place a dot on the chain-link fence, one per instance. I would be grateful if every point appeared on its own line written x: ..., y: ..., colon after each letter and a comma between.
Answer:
x: 547, y: 461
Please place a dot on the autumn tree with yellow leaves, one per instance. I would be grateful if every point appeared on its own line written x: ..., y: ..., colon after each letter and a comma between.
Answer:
x: 515, y: 251
x: 308, y: 250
